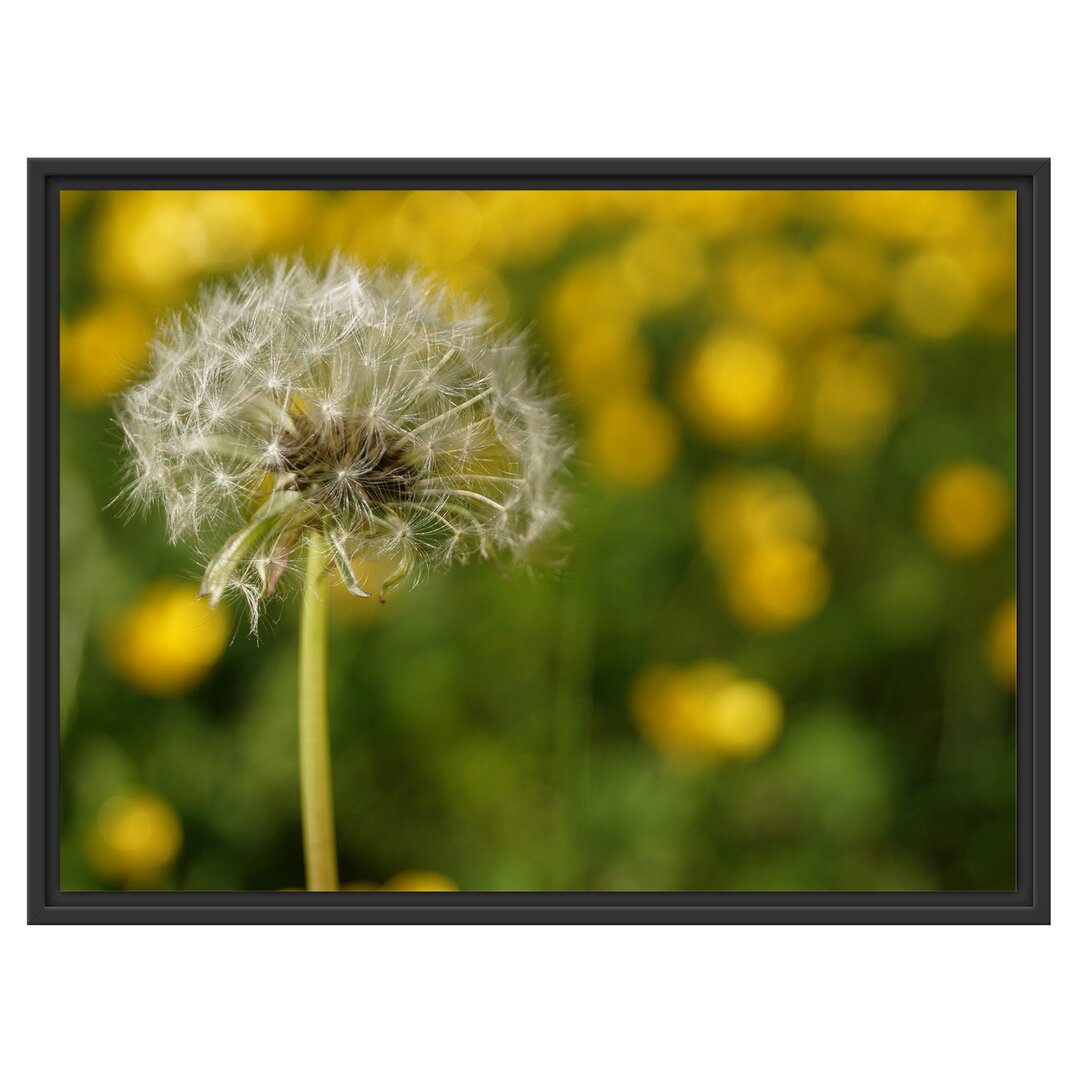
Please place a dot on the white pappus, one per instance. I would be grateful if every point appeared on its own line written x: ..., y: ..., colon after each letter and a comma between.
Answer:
x: 376, y: 408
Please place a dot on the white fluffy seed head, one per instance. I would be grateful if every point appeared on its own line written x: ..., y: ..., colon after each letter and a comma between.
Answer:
x: 375, y: 408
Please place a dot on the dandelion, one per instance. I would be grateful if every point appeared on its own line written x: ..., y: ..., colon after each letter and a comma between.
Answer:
x: 354, y: 415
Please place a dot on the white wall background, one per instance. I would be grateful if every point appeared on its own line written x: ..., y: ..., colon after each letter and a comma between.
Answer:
x: 553, y: 78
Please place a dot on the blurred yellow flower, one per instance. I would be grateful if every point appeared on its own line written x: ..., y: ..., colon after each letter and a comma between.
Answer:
x: 155, y: 241
x: 907, y: 216
x: 589, y: 290
x: 851, y: 399
x: 438, y: 228
x: 480, y: 283
x: 997, y: 282
x: 523, y: 227
x: 855, y: 272
x: 740, y: 510
x: 986, y: 250
x: 765, y: 532
x: 606, y: 357
x: 705, y: 712
x: 100, y: 350
x: 663, y: 267
x: 780, y: 289
x: 737, y: 388
x: 773, y: 586
x: 720, y: 214
x: 934, y: 295
x: 419, y: 881
x: 406, y: 881
x: 665, y: 208
x: 1000, y: 644
x: 963, y: 508
x: 631, y: 440
x: 362, y: 224
x: 167, y: 641
x: 134, y: 839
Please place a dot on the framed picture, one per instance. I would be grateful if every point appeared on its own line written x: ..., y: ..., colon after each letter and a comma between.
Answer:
x: 539, y: 541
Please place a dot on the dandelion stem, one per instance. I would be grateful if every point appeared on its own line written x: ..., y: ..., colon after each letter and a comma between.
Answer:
x: 316, y: 790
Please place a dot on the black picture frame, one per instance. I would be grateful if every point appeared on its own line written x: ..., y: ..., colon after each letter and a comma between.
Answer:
x: 1029, y: 903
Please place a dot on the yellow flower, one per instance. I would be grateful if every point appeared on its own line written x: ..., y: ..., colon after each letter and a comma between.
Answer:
x: 764, y: 530
x: 906, y: 216
x: 855, y: 273
x: 438, y: 228
x: 780, y: 290
x: 101, y: 350
x: 588, y: 291
x: 852, y: 396
x: 167, y: 641
x: 419, y: 881
x: 934, y: 295
x: 720, y: 214
x: 744, y: 718
x: 985, y: 249
x: 741, y: 510
x: 774, y: 586
x: 663, y: 267
x: 480, y: 283
x: 523, y: 227
x: 737, y: 388
x: 631, y: 441
x: 135, y: 838
x: 993, y: 261
x: 1000, y: 644
x: 607, y: 357
x: 406, y: 881
x: 156, y: 241
x: 362, y: 224
x: 705, y: 712
x: 963, y: 508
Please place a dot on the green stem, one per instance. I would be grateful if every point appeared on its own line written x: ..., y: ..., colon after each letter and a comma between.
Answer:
x: 316, y: 790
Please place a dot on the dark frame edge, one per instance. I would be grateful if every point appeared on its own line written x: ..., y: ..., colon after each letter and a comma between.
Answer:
x: 36, y: 261
x: 1029, y: 905
x: 1038, y: 644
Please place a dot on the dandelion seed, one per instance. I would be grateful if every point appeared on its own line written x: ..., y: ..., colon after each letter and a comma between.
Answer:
x: 374, y: 409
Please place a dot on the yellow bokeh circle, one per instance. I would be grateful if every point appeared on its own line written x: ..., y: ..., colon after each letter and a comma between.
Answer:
x: 706, y: 711
x: 420, y: 881
x: 607, y: 357
x: 737, y: 388
x: 167, y: 641
x: 437, y: 228
x: 934, y: 295
x: 135, y: 837
x: 774, y: 586
x: 631, y: 441
x: 739, y: 510
x: 963, y: 508
x: 851, y: 396
x: 663, y: 267
x: 1000, y: 644
x: 101, y: 350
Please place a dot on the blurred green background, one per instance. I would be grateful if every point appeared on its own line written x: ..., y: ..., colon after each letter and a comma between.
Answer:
x: 780, y: 654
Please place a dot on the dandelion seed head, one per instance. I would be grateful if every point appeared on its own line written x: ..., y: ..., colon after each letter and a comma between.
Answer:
x: 376, y: 408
